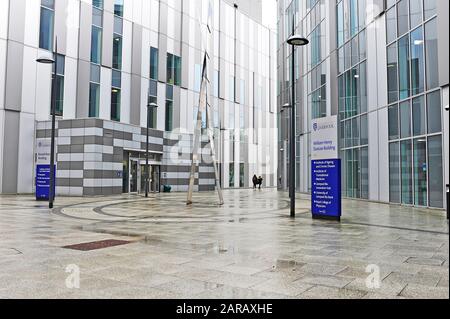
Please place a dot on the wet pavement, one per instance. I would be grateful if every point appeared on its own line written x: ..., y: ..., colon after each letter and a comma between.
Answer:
x: 248, y: 248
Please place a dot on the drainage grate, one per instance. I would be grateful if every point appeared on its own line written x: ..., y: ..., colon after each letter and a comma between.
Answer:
x: 97, y: 245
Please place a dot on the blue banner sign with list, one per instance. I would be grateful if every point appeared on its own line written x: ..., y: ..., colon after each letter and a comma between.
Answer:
x: 326, y: 189
x: 43, y: 182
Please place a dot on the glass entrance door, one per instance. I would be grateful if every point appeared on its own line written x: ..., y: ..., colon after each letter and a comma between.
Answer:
x: 134, y: 176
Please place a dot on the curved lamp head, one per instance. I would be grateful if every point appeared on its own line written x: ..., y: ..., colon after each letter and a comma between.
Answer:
x: 152, y: 105
x: 45, y: 60
x: 286, y: 106
x: 297, y: 40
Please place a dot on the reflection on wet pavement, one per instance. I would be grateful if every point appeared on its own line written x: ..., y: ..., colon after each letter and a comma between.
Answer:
x: 248, y: 248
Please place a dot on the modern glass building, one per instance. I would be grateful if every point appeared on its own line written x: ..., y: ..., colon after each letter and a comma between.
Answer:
x: 115, y: 57
x: 382, y: 67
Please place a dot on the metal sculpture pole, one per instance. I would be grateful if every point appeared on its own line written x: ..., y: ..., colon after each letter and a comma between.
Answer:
x: 203, y: 107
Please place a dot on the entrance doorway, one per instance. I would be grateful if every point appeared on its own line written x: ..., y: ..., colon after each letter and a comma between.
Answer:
x: 134, y: 173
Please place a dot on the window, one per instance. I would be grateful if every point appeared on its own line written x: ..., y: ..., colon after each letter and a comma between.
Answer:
x: 117, y: 52
x: 402, y: 17
x: 59, y: 77
x: 47, y: 24
x: 118, y: 8
x: 419, y: 116
x: 154, y: 63
x: 392, y: 70
x: 431, y: 54
x: 406, y: 171
x: 96, y: 36
x: 394, y: 173
x: 415, y: 8
x: 436, y: 182
x: 94, y: 91
x: 231, y: 175
x: 420, y: 172
x: 241, y: 175
x: 405, y: 119
x: 404, y: 75
x: 153, y: 113
x: 429, y: 8
x: 434, y: 112
x: 391, y: 25
x: 417, y: 62
x: 169, y: 108
x: 173, y: 69
x: 393, y: 122
x: 116, y: 95
x: 216, y: 83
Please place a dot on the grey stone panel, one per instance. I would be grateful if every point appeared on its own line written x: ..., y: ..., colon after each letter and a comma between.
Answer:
x: 118, y: 151
x: 107, y: 191
x: 92, y: 191
x: 107, y: 158
x: 135, y: 110
x: 108, y: 30
x: 108, y: 141
x: 76, y: 166
x: 152, y: 133
x: 77, y: 149
x: 97, y: 140
x: 178, y: 181
x: 94, y: 123
x: 207, y: 175
x: 116, y: 190
x: 85, y: 31
x: 206, y: 188
x: 127, y: 136
x: 10, y: 152
x: 153, y: 147
x: 60, y: 25
x: 84, y: 74
x: 90, y: 174
x: 63, y: 149
x: 77, y: 140
x: 76, y: 182
x: 14, y: 73
x: 16, y: 27
x: 162, y: 60
x: 63, y: 182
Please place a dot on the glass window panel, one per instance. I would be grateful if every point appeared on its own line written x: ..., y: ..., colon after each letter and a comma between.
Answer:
x: 402, y: 17
x: 48, y: 4
x: 420, y: 172
x: 355, y: 131
x: 154, y: 63
x: 94, y: 99
x: 417, y: 62
x: 431, y: 49
x: 97, y: 3
x: 348, y: 133
x: 406, y: 172
x: 419, y: 116
x: 177, y: 70
x: 365, y: 173
x: 153, y: 88
x: 434, y: 112
x: 392, y: 73
x: 415, y: 12
x: 354, y: 17
x: 362, y: 13
x: 116, y: 79
x: 117, y: 52
x: 197, y: 77
x: 393, y: 122
x: 170, y: 69
x: 350, y: 172
x: 118, y: 25
x: 96, y: 45
x: 436, y: 184
x: 115, y: 104
x: 429, y: 8
x: 391, y: 25
x: 97, y: 17
x: 169, y: 92
x: 363, y: 87
x: 118, y: 8
x: 59, y: 95
x: 355, y: 50
x: 169, y: 116
x: 394, y: 173
x: 340, y: 17
x: 362, y: 45
x: 405, y: 119
x: 403, y: 60
x: 356, y: 174
x: 46, y: 29
x: 364, y: 130
x: 95, y: 73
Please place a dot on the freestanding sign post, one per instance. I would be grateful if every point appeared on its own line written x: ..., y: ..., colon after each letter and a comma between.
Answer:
x: 43, y: 148
x: 326, y: 198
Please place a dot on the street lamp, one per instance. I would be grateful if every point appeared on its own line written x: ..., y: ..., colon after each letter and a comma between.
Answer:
x: 294, y: 41
x: 147, y: 169
x: 54, y: 61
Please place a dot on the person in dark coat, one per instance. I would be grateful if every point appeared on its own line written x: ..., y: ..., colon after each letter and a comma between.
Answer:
x: 255, y: 181
x: 260, y: 181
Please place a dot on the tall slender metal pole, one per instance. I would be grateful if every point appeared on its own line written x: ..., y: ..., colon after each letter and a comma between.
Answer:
x: 51, y: 193
x: 147, y: 169
x: 292, y: 141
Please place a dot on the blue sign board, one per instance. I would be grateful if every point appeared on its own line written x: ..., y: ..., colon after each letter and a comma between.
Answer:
x: 43, y: 182
x: 326, y: 189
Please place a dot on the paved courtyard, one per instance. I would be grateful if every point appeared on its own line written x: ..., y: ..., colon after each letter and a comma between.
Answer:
x: 248, y: 248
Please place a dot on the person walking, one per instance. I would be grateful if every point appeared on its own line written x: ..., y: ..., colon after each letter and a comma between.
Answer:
x: 260, y: 181
x: 255, y: 181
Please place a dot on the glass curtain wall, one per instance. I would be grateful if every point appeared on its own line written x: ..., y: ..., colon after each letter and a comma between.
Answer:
x: 352, y: 91
x: 415, y: 112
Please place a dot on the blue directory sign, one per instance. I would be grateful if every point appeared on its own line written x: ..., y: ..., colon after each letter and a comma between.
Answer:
x: 326, y: 200
x: 43, y: 182
x: 326, y: 188
x: 43, y: 147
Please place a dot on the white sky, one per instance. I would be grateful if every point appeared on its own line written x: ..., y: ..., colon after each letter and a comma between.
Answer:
x: 270, y: 13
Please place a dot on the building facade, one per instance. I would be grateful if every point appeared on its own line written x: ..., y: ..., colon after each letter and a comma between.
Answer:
x: 382, y: 67
x: 115, y: 57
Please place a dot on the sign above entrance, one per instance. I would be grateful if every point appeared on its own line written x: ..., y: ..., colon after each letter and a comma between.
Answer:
x: 324, y: 137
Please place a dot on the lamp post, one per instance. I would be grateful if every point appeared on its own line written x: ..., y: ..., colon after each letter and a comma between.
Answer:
x: 53, y: 61
x: 294, y: 41
x: 150, y: 106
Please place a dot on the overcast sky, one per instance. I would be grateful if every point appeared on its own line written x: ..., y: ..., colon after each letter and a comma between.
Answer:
x: 270, y: 13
